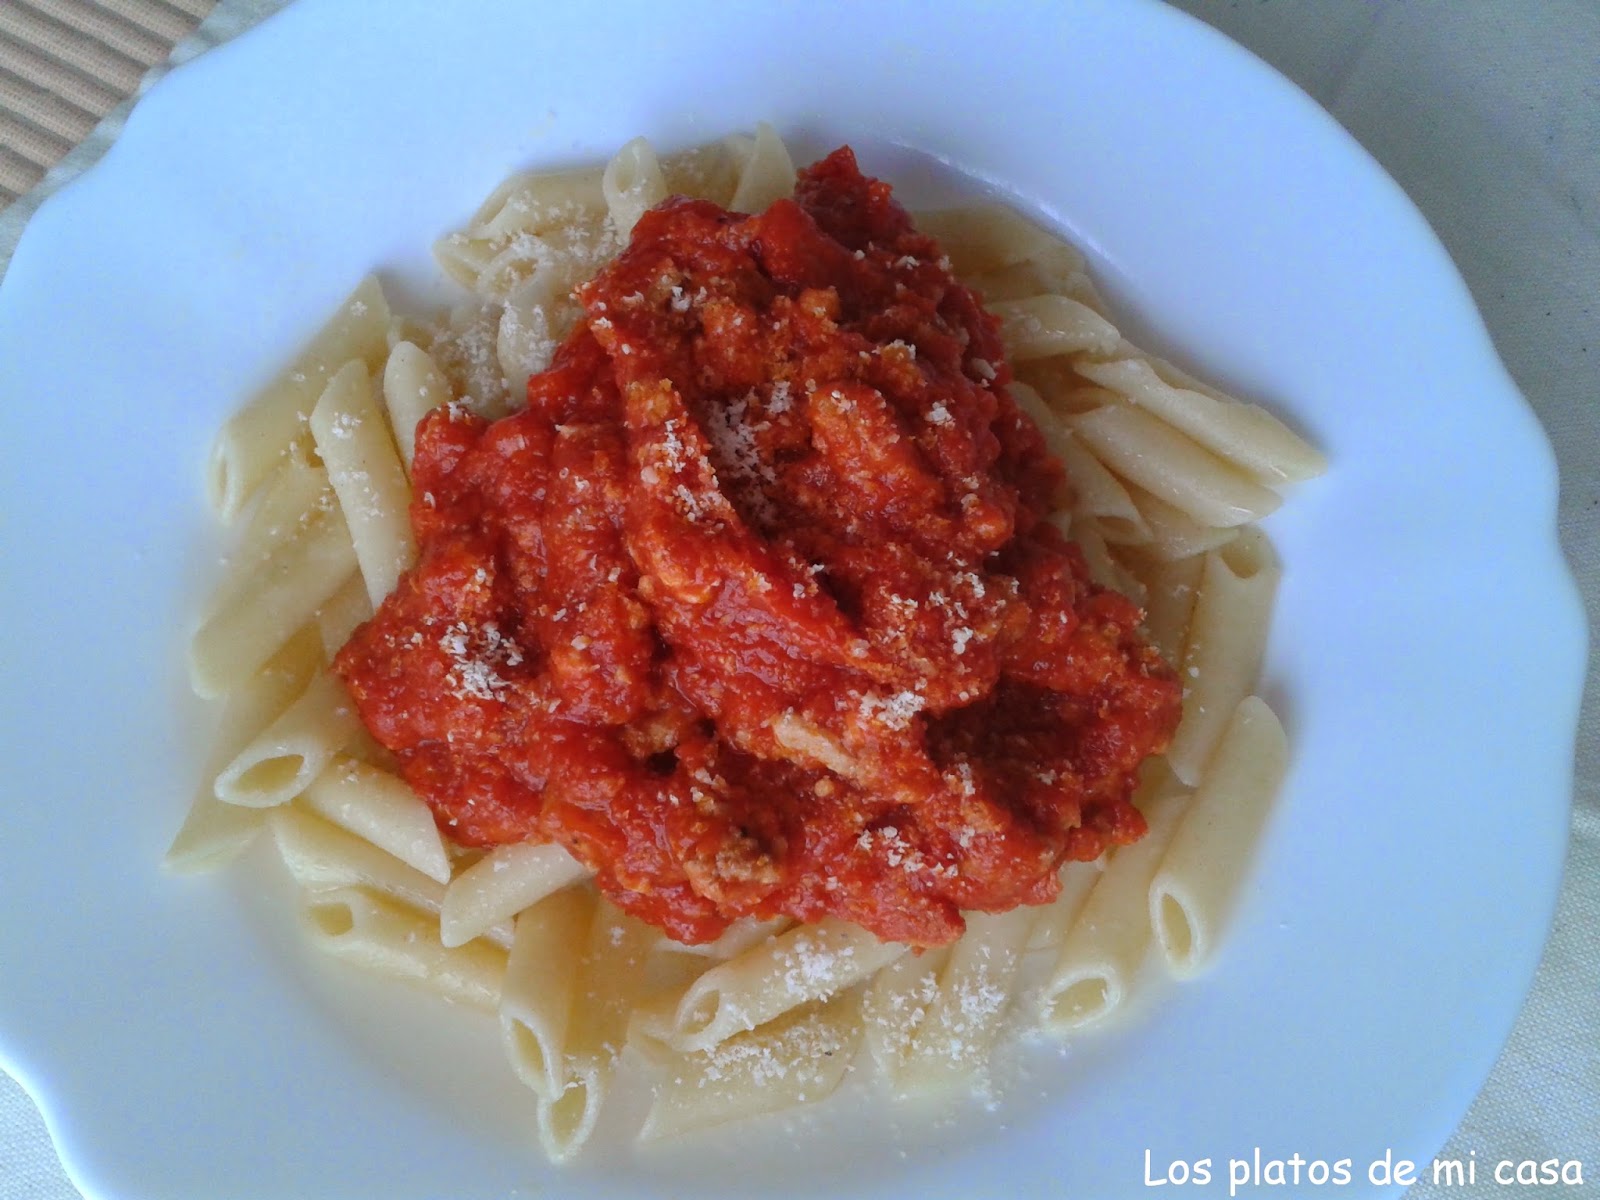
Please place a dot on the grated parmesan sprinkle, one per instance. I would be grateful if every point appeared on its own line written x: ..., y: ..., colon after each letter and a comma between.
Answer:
x: 475, y: 658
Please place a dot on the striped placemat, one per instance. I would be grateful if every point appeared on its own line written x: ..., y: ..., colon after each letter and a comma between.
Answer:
x: 64, y: 64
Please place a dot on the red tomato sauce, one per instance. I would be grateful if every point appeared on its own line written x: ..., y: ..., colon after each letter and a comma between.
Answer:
x: 753, y: 608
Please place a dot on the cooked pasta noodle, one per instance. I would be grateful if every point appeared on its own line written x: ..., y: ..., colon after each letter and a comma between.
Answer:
x: 1248, y: 436
x: 1045, y: 326
x: 214, y: 832
x: 767, y: 174
x: 1102, y: 950
x: 1222, y: 652
x: 896, y: 1005
x: 987, y: 237
x: 337, y: 619
x: 1165, y: 462
x: 1200, y: 874
x: 1174, y: 534
x: 610, y: 982
x: 773, y: 977
x: 282, y: 760
x: 953, y: 1042
x: 370, y: 931
x: 258, y: 614
x: 632, y: 183
x: 540, y: 986
x: 358, y: 450
x: 506, y: 881
x: 412, y: 386
x: 293, y: 496
x: 257, y: 437
x: 380, y: 807
x: 1055, y: 918
x: 800, y: 1058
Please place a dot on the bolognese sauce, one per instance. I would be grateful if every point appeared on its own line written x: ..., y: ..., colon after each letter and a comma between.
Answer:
x: 754, y: 607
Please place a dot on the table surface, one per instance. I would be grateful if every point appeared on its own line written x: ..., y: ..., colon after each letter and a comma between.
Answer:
x: 1487, y: 112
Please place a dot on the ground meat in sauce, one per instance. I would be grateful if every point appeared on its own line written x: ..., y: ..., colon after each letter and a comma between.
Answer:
x: 753, y: 607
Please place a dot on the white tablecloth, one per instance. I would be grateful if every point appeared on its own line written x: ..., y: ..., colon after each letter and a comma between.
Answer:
x: 1488, y: 114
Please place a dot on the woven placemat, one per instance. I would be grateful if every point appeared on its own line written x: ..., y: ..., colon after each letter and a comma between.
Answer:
x: 64, y: 64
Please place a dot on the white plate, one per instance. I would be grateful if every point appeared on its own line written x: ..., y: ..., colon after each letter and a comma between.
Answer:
x: 1426, y: 657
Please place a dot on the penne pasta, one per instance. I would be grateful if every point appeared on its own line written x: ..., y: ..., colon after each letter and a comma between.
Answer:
x: 1053, y: 429
x: 768, y: 173
x: 1174, y: 534
x: 1145, y: 450
x: 529, y: 330
x: 1045, y: 326
x: 976, y: 986
x: 548, y: 266
x: 982, y: 238
x: 256, y: 438
x: 212, y: 835
x: 366, y: 748
x: 403, y: 328
x: 1032, y: 277
x: 1055, y: 918
x: 540, y: 986
x: 291, y: 498
x: 735, y: 940
x: 1222, y: 652
x: 650, y: 1024
x: 611, y: 981
x: 256, y: 615
x: 501, y: 884
x: 1104, y: 568
x: 1102, y: 950
x: 463, y: 350
x: 337, y: 619
x: 214, y: 832
x: 632, y: 184
x: 539, y: 201
x: 799, y: 1059
x: 281, y: 761
x: 1246, y: 435
x: 353, y: 439
x: 1080, y: 287
x: 1017, y: 281
x: 1098, y: 493
x: 381, y: 808
x: 369, y: 931
x: 412, y: 387
x: 709, y: 172
x: 809, y: 963
x: 1170, y: 590
x: 896, y: 1004
x: 1062, y: 388
x: 320, y: 856
x: 463, y: 258
x: 516, y: 224
x: 1199, y: 877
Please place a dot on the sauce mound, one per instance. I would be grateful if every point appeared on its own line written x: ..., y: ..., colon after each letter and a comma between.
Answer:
x: 754, y: 607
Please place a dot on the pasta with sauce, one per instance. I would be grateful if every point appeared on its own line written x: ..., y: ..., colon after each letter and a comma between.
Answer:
x: 355, y: 470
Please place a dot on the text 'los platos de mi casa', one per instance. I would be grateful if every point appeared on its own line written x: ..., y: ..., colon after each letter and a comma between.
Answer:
x: 1386, y: 1170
